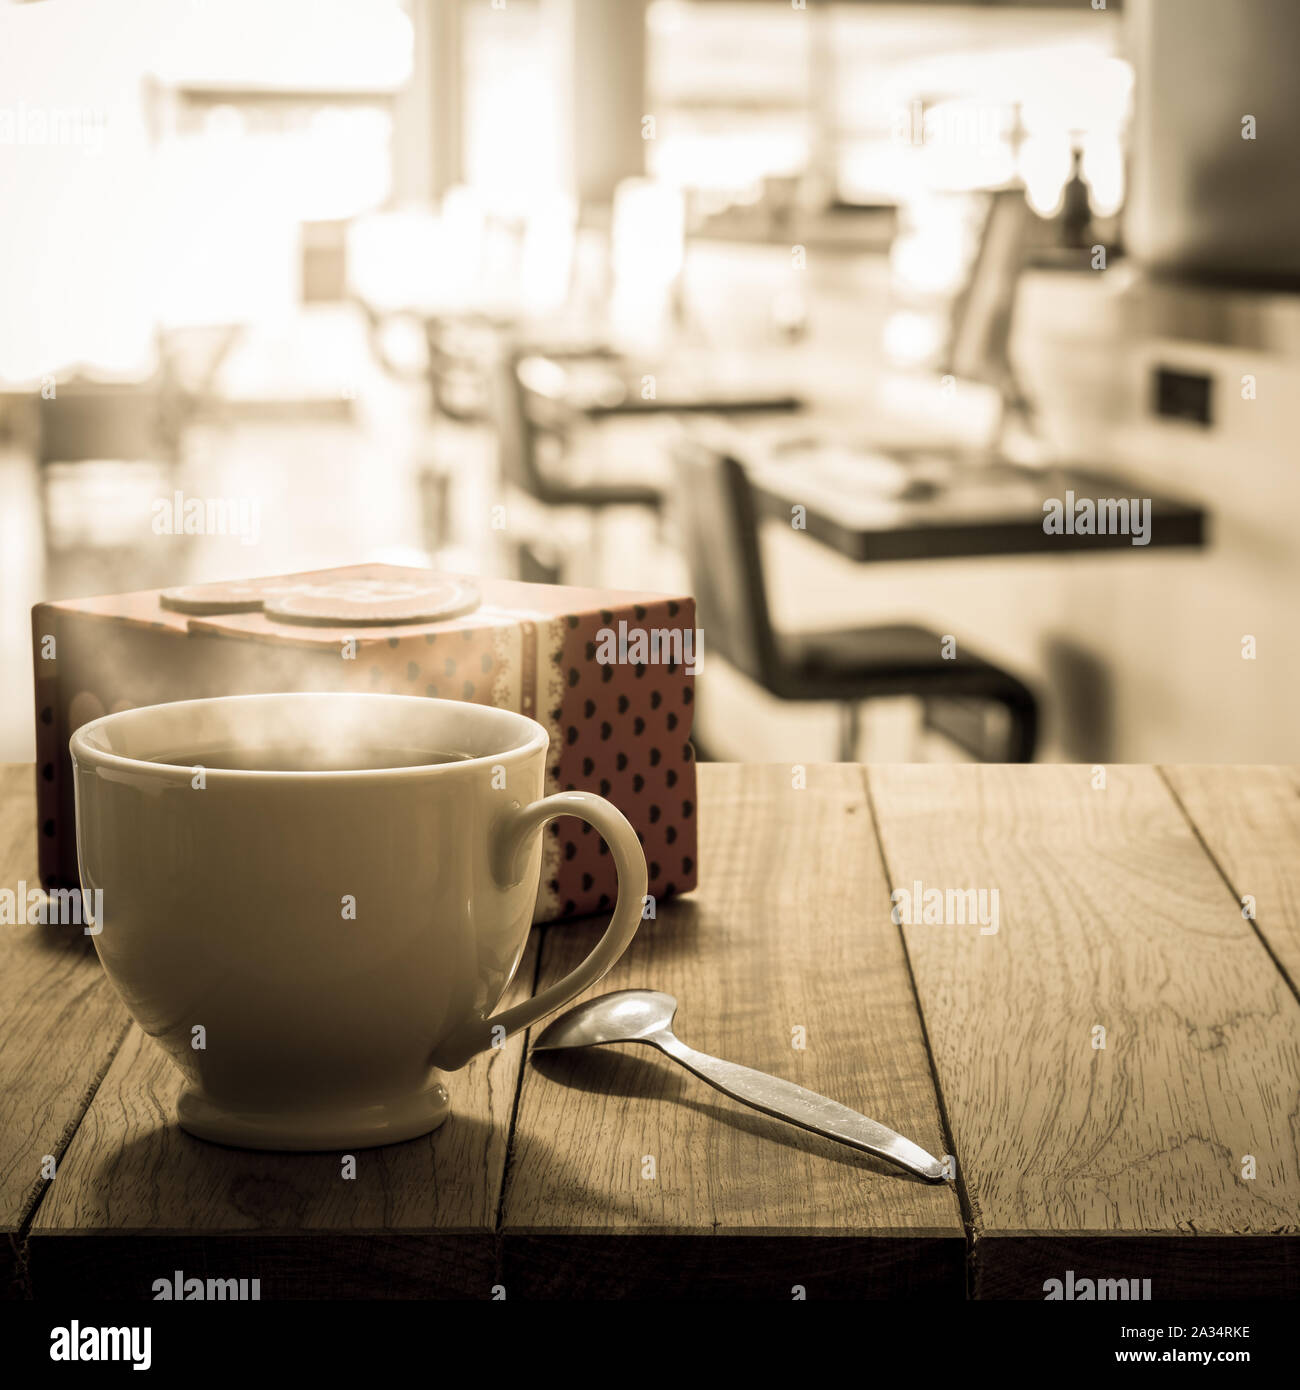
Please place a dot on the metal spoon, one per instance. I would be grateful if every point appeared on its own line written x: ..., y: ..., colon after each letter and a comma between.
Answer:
x: 646, y: 1016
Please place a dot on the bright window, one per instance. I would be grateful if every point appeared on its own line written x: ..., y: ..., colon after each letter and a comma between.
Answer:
x: 881, y: 103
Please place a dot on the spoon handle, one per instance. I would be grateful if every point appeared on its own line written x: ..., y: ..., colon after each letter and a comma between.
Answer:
x: 786, y: 1101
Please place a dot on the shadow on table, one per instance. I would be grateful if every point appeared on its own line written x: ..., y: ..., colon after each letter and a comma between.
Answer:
x: 69, y: 939
x: 244, y: 1191
x: 165, y: 1201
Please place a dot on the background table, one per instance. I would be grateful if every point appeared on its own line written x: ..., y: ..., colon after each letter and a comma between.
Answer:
x: 984, y: 507
x: 613, y: 1172
x: 612, y: 386
x: 998, y: 511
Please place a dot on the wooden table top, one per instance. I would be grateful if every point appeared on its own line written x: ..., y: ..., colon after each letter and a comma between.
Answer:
x: 1170, y: 1153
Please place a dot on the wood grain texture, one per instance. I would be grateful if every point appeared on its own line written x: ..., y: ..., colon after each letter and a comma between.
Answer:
x: 785, y: 932
x: 1111, y: 915
x: 60, y: 1023
x: 1117, y: 907
x: 137, y: 1197
x: 1249, y: 820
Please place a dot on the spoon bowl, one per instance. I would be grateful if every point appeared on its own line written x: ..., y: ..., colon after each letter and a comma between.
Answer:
x: 627, y: 1015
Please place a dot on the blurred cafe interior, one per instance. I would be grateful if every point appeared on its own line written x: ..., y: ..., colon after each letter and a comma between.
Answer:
x: 946, y: 352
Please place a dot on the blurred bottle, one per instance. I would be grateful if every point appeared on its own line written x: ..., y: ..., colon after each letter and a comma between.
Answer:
x: 1076, y: 209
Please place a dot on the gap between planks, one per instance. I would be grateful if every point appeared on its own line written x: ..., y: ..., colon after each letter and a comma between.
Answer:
x: 1168, y: 778
x: 950, y: 1145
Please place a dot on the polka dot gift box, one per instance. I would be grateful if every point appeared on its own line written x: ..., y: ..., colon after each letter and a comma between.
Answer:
x: 611, y: 676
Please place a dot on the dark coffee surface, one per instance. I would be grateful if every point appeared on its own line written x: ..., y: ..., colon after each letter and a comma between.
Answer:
x: 313, y: 759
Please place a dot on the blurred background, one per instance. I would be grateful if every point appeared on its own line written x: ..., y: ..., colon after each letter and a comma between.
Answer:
x: 808, y: 309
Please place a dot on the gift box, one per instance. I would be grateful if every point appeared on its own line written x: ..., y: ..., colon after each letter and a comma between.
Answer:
x: 609, y: 674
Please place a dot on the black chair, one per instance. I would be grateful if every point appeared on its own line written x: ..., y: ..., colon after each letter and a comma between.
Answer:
x: 527, y: 423
x: 102, y: 450
x: 461, y: 349
x: 85, y: 419
x: 719, y: 525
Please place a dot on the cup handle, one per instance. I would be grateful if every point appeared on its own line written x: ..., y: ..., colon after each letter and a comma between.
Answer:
x: 509, y: 851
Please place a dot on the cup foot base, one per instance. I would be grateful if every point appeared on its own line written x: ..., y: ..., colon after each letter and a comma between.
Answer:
x: 363, y: 1127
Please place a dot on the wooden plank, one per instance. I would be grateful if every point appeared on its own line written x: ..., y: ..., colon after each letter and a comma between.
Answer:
x: 1249, y: 820
x: 137, y: 1198
x: 60, y: 1023
x: 780, y: 935
x: 1111, y: 915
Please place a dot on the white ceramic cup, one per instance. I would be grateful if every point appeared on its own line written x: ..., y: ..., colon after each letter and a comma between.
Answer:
x: 312, y: 947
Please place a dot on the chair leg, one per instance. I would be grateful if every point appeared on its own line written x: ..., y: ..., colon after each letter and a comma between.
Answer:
x: 963, y: 721
x: 850, y: 731
x: 1022, y: 736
